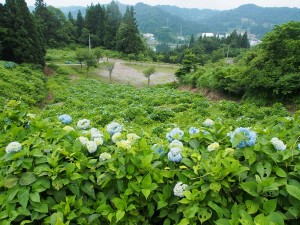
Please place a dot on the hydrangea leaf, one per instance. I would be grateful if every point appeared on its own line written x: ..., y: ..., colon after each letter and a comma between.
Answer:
x: 27, y: 178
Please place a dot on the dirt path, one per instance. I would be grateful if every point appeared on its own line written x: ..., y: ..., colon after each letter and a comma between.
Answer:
x: 127, y: 75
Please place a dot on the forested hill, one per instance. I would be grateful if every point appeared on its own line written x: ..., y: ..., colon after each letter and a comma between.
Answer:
x: 257, y: 20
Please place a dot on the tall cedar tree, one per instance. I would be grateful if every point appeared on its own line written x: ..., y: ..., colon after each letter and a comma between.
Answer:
x: 95, y: 21
x: 22, y: 42
x: 128, y: 39
x: 114, y: 18
x: 79, y: 25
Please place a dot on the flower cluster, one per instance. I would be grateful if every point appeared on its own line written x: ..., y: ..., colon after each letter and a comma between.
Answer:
x: 68, y: 128
x: 175, y: 134
x: 249, y: 137
x: 179, y: 188
x: 104, y: 156
x: 116, y: 137
x: 83, y: 124
x: 158, y: 149
x: 96, y: 136
x: 176, y: 144
x: 208, y: 123
x: 212, y: 147
x: 125, y: 144
x: 91, y: 146
x: 113, y: 128
x: 193, y: 130
x: 65, y: 119
x: 278, y: 144
x: 13, y: 147
x: 174, y: 155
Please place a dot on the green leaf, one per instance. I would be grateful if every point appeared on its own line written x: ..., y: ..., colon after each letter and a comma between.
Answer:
x: 3, y: 214
x: 57, y: 219
x: 189, y: 163
x: 190, y: 211
x: 25, y: 222
x: 277, y: 218
x: 88, y: 188
x: 250, y: 187
x: 216, y: 187
x: 280, y: 172
x: 119, y: 215
x: 262, y: 220
x: 27, y: 178
x: 75, y: 176
x: 204, y: 214
x: 40, y: 207
x: 216, y: 208
x: 35, y: 197
x: 147, y: 181
x: 146, y: 192
x: 194, y: 143
x: 184, y: 221
x: 10, y: 181
x: 293, y: 191
x: 23, y: 197
x: 252, y: 206
x: 161, y: 204
x: 269, y: 205
x: 93, y: 217
x: 119, y: 204
x: 238, y: 138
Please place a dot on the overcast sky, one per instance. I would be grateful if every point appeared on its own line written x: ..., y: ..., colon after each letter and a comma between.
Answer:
x: 207, y: 4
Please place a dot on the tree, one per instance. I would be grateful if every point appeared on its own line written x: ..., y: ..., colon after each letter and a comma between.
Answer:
x: 148, y: 72
x: 90, y: 60
x: 274, y: 66
x: 79, y: 26
x: 189, y: 64
x: 109, y: 66
x: 22, y: 41
x: 114, y: 18
x: 128, y: 39
x: 98, y: 53
x: 81, y: 55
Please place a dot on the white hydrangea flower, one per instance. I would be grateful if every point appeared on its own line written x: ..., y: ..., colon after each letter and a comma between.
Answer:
x: 13, y: 147
x: 132, y: 137
x: 99, y: 141
x: 83, y: 140
x: 83, y: 124
x: 95, y: 133
x: 104, y: 156
x: 116, y: 137
x: 208, y: 123
x: 278, y: 144
x: 91, y: 146
x: 68, y: 128
x: 179, y: 189
x: 125, y: 144
x: 212, y: 147
x: 229, y: 151
x: 176, y: 144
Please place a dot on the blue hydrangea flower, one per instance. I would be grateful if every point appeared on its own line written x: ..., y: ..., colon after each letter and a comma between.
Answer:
x: 65, y: 119
x: 113, y: 128
x: 299, y: 146
x: 250, y: 137
x: 174, y: 155
x: 158, y: 149
x: 175, y: 134
x: 193, y: 130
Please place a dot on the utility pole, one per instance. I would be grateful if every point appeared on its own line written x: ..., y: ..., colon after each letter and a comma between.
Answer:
x: 90, y: 47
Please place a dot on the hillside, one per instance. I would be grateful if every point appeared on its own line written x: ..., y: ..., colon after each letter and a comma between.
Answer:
x: 170, y: 20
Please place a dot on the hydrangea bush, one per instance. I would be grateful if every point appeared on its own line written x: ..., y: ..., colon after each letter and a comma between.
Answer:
x: 111, y: 175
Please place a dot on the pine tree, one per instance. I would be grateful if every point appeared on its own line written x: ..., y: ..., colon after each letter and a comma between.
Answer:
x: 128, y: 39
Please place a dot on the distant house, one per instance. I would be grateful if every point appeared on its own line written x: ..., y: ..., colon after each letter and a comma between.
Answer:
x: 207, y: 35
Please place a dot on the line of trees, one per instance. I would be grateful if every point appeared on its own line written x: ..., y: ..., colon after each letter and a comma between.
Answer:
x: 24, y: 36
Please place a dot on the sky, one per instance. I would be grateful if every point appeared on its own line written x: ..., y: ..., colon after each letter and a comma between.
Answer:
x: 201, y: 4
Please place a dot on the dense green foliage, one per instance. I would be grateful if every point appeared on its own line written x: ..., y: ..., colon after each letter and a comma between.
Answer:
x: 21, y: 83
x: 19, y: 34
x: 56, y: 179
x: 268, y: 71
